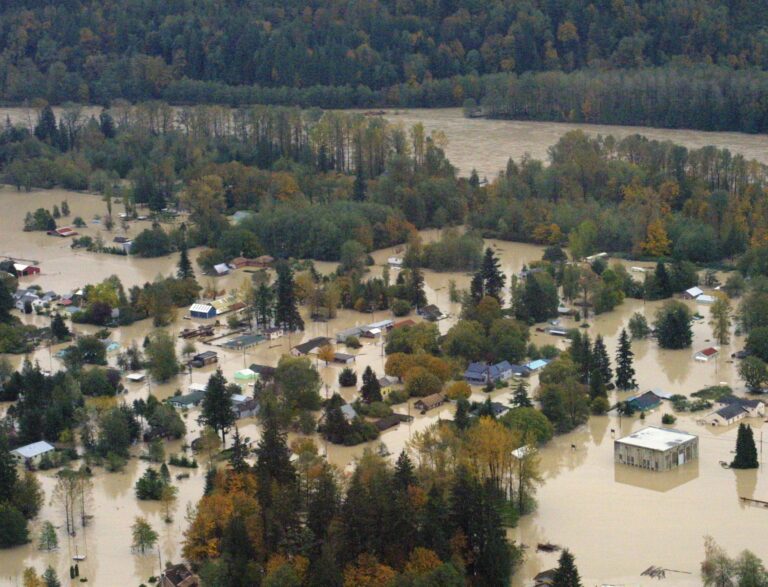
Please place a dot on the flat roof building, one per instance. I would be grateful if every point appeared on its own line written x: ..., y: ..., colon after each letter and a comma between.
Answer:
x: 656, y: 449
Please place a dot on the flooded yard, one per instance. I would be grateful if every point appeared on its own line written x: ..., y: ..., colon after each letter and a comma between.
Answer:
x: 617, y: 520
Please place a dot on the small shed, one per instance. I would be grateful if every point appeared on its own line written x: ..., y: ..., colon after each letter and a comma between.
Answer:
x: 205, y: 358
x: 343, y: 358
x: 202, y: 311
x: 656, y: 449
x: 246, y: 375
x: 32, y: 453
x: 705, y: 299
x: 692, y: 293
x: 395, y: 261
x: 430, y: 402
x: 391, y: 421
x: 135, y: 377
x: 221, y: 269
x: 536, y: 365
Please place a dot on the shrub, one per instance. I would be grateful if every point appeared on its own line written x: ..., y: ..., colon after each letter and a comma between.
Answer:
x: 458, y: 389
x: 347, y: 377
x: 401, y: 308
x: 599, y: 405
x: 396, y: 396
x: 668, y: 419
x: 373, y: 410
x: 352, y: 342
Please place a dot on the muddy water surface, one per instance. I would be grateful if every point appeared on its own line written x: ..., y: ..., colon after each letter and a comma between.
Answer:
x: 617, y: 521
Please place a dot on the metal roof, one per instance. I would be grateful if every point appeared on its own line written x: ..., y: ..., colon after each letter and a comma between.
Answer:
x: 203, y: 308
x: 654, y: 438
x: 33, y: 450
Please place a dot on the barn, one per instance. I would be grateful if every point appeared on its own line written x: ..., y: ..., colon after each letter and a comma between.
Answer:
x: 202, y: 311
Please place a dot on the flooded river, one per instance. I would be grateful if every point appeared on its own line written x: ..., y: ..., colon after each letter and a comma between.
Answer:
x: 486, y: 145
x: 618, y: 521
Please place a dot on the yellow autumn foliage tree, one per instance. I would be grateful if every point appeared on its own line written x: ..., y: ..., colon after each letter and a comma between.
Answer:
x: 657, y: 242
x: 233, y: 495
x: 367, y: 571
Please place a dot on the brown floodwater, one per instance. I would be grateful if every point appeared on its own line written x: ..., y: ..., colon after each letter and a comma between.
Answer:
x: 486, y: 145
x: 616, y: 520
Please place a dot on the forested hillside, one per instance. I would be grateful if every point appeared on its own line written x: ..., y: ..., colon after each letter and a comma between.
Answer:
x: 332, y: 53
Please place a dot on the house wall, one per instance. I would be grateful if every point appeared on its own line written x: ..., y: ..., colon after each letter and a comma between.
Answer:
x: 717, y: 420
x: 654, y: 460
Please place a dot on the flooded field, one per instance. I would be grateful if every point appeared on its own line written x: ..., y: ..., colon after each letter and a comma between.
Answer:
x: 618, y: 521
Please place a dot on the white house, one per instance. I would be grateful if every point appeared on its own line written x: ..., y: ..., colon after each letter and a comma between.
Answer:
x: 395, y: 261
x: 32, y: 453
x: 731, y: 409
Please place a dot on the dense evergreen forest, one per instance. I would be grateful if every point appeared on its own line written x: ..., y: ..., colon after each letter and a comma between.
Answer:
x: 337, y: 54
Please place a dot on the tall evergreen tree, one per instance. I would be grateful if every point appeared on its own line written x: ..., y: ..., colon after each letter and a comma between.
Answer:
x: 625, y: 372
x: 9, y: 476
x: 324, y: 503
x: 476, y: 287
x: 435, y: 531
x: 566, y: 574
x: 358, y: 188
x: 107, y: 125
x: 277, y: 483
x: 601, y: 360
x: 404, y: 472
x: 264, y: 305
x: 461, y: 417
x: 286, y: 311
x: 746, y: 451
x: 6, y: 303
x: 47, y: 129
x: 596, y: 384
x: 520, y: 398
x: 371, y: 389
x: 184, y: 270
x: 239, y: 453
x: 493, y: 278
x: 59, y: 328
x: 216, y: 409
x: 662, y: 286
x: 416, y: 294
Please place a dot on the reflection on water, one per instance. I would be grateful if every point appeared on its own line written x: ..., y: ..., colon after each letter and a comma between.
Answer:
x: 661, y: 481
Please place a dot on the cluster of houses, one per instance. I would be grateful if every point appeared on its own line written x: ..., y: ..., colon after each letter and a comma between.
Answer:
x: 485, y: 373
x: 372, y: 330
x: 727, y: 410
x: 32, y: 299
x: 242, y: 406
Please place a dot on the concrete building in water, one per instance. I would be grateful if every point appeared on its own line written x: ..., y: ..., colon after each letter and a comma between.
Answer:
x: 656, y: 449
